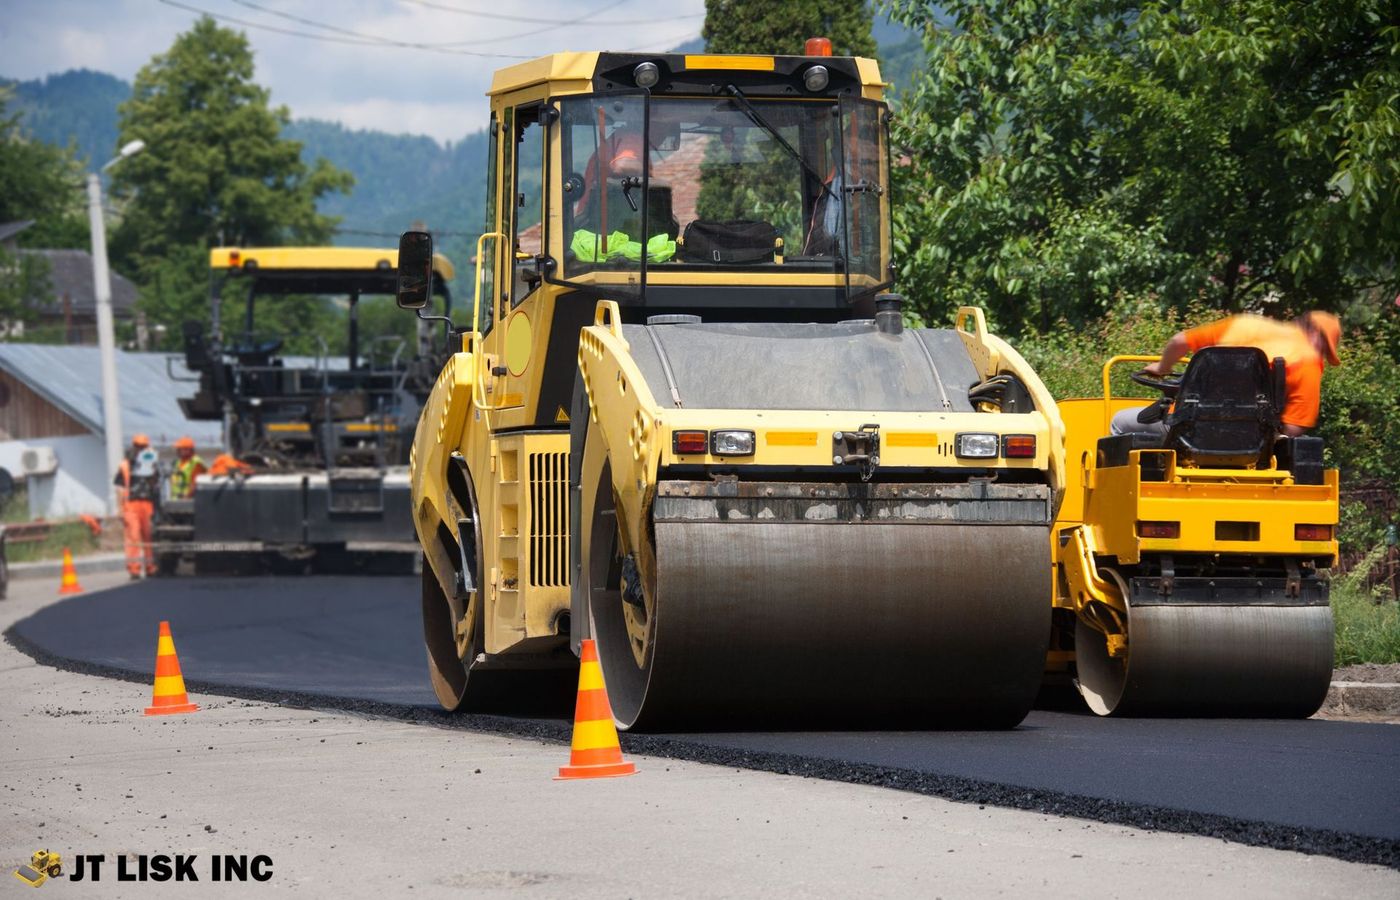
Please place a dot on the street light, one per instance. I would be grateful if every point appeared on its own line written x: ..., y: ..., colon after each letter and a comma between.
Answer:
x: 106, y: 337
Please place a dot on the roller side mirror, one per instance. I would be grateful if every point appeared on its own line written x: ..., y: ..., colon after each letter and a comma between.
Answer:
x: 415, y: 281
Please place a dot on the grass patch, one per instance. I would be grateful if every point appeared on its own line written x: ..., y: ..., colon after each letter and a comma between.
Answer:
x: 76, y: 536
x: 1368, y: 627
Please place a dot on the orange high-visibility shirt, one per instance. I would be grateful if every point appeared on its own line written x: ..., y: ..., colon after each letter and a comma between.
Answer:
x: 1302, y: 363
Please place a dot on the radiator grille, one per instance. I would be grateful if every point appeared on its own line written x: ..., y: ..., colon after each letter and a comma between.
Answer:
x: 549, y: 519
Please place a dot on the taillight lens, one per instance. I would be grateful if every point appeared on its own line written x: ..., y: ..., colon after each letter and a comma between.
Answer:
x: 690, y: 442
x: 974, y: 445
x: 1018, y: 446
x: 1312, y: 532
x: 1167, y: 530
x: 731, y: 443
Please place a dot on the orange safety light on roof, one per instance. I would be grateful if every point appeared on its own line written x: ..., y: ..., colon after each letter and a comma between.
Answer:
x: 233, y: 257
x: 817, y: 47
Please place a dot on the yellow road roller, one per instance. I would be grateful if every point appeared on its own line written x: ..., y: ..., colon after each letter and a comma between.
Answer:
x: 1191, y: 559
x: 687, y: 419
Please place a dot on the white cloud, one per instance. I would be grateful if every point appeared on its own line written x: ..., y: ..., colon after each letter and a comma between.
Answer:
x: 387, y: 88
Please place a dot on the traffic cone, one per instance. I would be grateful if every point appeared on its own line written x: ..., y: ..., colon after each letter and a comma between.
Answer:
x: 595, y: 752
x: 68, y: 584
x: 169, y: 694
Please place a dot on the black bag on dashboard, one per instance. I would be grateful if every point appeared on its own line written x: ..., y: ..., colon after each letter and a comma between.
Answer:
x: 728, y: 242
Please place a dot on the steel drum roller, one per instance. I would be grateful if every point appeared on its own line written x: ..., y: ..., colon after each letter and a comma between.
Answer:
x: 897, y: 623
x: 1211, y: 660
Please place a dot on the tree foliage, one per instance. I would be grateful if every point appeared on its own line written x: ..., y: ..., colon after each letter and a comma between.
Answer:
x: 762, y: 26
x: 216, y: 169
x: 1067, y: 154
x: 41, y: 182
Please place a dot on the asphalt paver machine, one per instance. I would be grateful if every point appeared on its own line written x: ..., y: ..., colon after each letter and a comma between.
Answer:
x: 317, y: 445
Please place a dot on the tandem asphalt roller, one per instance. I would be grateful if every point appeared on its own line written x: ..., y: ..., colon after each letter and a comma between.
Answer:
x: 687, y: 419
x: 1191, y: 564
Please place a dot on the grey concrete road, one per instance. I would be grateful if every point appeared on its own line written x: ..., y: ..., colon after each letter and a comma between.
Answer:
x: 361, y: 807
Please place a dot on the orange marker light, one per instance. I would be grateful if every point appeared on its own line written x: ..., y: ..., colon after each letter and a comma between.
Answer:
x: 1018, y: 446
x: 690, y: 442
x: 1312, y: 532
x: 817, y: 47
x: 1167, y: 530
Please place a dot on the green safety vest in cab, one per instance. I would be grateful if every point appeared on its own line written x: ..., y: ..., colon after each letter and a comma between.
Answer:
x: 588, y: 247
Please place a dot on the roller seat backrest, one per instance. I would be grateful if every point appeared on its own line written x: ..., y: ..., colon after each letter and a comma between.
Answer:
x: 1226, y: 413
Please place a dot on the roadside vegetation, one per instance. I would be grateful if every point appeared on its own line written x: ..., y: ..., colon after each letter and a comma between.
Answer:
x: 1368, y: 627
x: 74, y: 534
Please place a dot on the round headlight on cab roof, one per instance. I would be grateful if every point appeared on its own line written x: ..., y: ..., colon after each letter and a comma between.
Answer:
x: 646, y: 75
x: 816, y: 78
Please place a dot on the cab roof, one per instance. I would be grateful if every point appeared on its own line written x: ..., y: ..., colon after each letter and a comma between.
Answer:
x: 758, y: 74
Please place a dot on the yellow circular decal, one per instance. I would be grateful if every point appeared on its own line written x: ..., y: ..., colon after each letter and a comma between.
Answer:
x: 518, y: 340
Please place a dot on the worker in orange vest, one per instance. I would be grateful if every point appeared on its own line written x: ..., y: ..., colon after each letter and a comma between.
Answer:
x: 188, y: 467
x: 138, y: 493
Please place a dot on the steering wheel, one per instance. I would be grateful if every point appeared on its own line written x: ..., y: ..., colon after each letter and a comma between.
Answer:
x: 1167, y: 384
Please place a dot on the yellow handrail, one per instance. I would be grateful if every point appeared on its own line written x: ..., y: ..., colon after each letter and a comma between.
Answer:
x: 1107, y: 383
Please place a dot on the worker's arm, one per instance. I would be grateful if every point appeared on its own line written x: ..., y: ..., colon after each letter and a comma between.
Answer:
x: 1294, y: 430
x: 1172, y: 353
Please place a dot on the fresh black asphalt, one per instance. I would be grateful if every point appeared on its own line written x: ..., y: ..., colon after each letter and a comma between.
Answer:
x: 355, y: 642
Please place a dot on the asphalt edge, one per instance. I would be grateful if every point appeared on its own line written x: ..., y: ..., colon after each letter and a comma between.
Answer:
x: 1320, y: 842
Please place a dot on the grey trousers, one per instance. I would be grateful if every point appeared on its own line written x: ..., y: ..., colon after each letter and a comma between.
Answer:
x: 1125, y: 422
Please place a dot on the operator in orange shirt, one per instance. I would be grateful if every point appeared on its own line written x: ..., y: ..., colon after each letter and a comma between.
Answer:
x: 1306, y: 345
x: 138, y: 493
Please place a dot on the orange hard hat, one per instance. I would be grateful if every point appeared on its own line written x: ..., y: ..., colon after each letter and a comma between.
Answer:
x: 140, y: 440
x: 626, y: 146
x: 185, y: 443
x: 1330, y: 327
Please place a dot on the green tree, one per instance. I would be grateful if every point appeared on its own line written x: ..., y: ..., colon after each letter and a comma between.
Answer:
x: 39, y: 182
x: 1065, y: 156
x: 215, y: 170
x: 761, y: 26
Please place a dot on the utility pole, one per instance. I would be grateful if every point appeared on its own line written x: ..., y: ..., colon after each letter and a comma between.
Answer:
x: 106, y: 334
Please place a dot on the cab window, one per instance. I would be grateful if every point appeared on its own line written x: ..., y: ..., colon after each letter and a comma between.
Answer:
x: 527, y: 202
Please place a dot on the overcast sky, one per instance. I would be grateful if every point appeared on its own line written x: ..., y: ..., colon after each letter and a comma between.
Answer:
x: 337, y: 63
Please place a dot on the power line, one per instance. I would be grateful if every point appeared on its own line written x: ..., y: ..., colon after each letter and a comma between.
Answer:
x: 439, y: 44
x: 538, y: 21
x: 359, y: 41
x: 667, y: 43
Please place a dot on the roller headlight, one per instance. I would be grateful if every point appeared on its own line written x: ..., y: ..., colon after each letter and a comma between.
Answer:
x: 975, y: 445
x: 816, y: 78
x: 731, y: 443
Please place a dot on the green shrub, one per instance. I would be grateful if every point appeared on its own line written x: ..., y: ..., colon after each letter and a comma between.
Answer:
x: 1360, y: 399
x: 1368, y: 628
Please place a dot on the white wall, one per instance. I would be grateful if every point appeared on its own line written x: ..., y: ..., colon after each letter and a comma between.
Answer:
x: 79, y: 484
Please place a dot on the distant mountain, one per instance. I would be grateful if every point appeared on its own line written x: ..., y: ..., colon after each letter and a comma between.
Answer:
x: 399, y: 178
x: 78, y: 105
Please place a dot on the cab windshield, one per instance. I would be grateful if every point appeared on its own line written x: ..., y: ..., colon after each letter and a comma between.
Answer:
x: 661, y: 186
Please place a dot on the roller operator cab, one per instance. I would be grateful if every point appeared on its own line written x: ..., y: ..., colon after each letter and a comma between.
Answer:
x: 1191, y: 563
x: 687, y: 420
x: 318, y: 393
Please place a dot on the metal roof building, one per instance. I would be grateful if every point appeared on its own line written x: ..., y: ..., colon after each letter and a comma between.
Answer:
x: 51, y: 431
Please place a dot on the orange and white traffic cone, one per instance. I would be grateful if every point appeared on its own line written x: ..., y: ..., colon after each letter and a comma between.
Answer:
x: 169, y: 695
x: 68, y: 584
x: 595, y: 752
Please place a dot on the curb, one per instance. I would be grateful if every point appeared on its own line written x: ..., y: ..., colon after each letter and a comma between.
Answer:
x: 1362, y: 698
x: 53, y: 568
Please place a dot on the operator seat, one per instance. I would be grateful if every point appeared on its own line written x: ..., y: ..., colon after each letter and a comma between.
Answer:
x: 1227, y: 410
